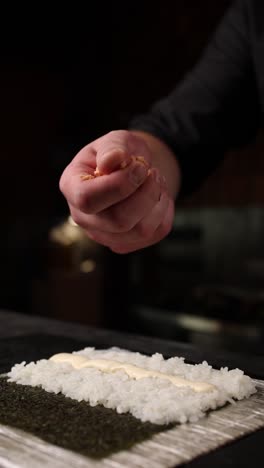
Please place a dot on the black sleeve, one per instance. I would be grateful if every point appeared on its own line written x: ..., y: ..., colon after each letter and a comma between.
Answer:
x: 216, y: 106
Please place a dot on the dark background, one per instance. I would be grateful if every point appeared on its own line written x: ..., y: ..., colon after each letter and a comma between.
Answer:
x: 67, y: 77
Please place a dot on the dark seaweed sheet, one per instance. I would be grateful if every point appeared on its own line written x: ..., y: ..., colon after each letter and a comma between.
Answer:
x: 92, y: 431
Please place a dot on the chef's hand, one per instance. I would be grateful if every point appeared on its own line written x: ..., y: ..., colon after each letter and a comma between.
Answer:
x: 127, y: 207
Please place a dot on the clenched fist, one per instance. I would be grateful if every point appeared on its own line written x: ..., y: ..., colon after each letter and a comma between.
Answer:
x: 116, y: 194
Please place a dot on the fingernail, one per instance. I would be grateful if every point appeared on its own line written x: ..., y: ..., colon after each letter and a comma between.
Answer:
x: 138, y: 174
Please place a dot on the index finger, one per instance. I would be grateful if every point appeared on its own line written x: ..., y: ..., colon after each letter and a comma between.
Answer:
x: 99, y: 193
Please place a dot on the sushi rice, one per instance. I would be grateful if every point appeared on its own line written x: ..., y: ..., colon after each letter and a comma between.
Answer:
x: 149, y: 399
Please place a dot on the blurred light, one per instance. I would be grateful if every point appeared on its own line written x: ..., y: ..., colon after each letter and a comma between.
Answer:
x: 87, y: 266
x: 70, y: 234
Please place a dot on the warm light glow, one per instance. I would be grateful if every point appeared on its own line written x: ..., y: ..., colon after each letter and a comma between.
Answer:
x: 68, y: 233
x: 87, y: 266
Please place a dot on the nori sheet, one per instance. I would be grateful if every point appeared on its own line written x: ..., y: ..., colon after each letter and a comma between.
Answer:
x: 92, y: 431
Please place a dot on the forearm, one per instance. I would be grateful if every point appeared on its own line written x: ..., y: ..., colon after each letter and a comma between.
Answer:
x: 215, y: 108
x: 164, y: 159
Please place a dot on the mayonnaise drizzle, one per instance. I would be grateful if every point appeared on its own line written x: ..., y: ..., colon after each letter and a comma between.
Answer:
x: 135, y: 372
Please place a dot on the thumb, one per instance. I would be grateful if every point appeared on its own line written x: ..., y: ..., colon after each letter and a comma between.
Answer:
x: 116, y: 149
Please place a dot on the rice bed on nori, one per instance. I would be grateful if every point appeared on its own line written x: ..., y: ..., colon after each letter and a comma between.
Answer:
x: 92, y: 431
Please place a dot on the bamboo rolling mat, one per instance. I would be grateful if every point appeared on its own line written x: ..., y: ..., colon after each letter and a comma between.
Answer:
x: 167, y: 449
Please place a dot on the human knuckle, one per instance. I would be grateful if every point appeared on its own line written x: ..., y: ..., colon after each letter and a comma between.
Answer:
x: 121, y: 190
x: 121, y: 222
x: 62, y: 183
x: 144, y: 230
x: 120, y: 133
x: 165, y: 229
x: 116, y: 135
x: 118, y: 249
x: 82, y: 202
x: 156, y: 194
x: 155, y: 190
x: 111, y: 134
x: 77, y: 217
x: 98, y: 237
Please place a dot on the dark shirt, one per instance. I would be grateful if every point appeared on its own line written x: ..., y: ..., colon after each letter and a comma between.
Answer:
x: 219, y: 104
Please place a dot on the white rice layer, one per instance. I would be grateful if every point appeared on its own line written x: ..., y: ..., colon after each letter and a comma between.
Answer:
x: 148, y: 399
